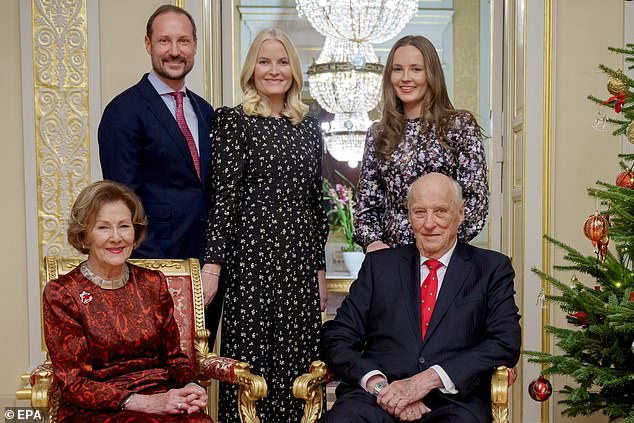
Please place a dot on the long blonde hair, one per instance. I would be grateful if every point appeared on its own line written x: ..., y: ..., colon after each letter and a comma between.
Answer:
x: 436, y: 107
x: 255, y: 104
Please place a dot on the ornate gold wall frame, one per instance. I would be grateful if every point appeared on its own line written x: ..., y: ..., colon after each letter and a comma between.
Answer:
x: 60, y: 118
x: 60, y: 91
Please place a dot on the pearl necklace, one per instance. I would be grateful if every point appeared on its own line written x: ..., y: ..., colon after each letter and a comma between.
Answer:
x: 103, y: 283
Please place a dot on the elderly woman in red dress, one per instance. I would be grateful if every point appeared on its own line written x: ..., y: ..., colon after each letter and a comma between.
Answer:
x: 109, y: 325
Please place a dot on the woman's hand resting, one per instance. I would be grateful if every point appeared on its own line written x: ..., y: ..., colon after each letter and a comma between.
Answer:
x: 376, y: 245
x: 210, y: 275
x: 188, y: 399
x: 323, y: 289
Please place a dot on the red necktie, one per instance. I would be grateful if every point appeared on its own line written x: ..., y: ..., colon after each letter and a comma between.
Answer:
x: 428, y: 291
x: 182, y: 124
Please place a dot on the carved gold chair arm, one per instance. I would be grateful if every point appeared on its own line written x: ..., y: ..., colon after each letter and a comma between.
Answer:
x: 309, y: 387
x: 500, y: 394
x: 250, y: 387
x: 38, y: 390
x: 24, y: 393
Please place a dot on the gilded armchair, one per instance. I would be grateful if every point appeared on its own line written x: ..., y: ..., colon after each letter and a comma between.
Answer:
x: 183, y: 278
x: 309, y: 387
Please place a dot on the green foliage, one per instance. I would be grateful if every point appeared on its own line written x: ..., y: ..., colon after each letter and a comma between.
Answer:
x: 626, y: 115
x: 596, y: 348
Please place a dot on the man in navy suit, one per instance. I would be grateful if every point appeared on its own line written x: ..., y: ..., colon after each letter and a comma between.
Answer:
x: 407, y: 350
x: 143, y: 145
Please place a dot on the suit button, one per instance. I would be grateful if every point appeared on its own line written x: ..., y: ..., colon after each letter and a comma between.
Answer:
x: 421, y: 360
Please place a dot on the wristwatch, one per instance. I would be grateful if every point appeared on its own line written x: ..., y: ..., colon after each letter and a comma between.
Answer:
x: 378, y: 387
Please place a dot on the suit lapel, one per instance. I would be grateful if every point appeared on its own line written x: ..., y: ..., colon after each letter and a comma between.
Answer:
x: 409, y: 273
x: 455, y: 277
x: 163, y: 115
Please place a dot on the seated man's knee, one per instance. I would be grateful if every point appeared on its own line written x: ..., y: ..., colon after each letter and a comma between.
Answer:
x: 356, y: 406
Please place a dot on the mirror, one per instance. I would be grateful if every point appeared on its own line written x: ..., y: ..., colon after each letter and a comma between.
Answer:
x: 460, y: 30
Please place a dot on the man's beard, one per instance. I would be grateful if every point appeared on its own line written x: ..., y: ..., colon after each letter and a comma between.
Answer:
x: 163, y: 72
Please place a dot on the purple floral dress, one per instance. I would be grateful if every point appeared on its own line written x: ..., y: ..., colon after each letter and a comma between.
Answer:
x: 381, y: 212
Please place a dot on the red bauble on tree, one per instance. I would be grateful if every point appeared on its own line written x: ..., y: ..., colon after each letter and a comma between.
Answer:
x: 580, y: 318
x: 595, y: 227
x: 540, y: 389
x: 625, y: 179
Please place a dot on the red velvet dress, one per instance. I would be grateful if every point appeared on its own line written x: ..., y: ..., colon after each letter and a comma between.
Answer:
x: 107, y: 344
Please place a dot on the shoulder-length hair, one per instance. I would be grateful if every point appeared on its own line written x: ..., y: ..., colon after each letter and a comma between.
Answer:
x: 436, y: 108
x: 255, y: 104
x: 91, y: 199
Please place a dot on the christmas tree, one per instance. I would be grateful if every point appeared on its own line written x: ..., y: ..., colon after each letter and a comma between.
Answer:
x: 596, y: 349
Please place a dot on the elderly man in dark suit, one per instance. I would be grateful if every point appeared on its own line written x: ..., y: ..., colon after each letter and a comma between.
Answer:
x: 424, y: 325
x: 155, y: 138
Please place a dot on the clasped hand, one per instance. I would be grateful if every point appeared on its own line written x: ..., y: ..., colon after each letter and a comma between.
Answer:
x: 403, y: 398
x: 188, y: 399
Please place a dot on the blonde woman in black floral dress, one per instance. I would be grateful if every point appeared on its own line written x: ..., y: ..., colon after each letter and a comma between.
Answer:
x: 267, y: 228
x: 419, y: 132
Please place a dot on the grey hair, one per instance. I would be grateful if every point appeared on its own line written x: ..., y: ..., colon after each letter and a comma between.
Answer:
x: 457, y: 190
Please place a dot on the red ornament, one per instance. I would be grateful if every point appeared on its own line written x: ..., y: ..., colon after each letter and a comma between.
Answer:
x: 540, y: 389
x: 632, y: 297
x: 582, y: 318
x: 595, y: 226
x: 625, y: 179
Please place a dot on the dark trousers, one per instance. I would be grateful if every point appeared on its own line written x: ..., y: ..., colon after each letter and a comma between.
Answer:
x: 357, y: 406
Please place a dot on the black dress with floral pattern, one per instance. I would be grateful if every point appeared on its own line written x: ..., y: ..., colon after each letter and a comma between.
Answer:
x: 268, y: 226
x: 381, y: 212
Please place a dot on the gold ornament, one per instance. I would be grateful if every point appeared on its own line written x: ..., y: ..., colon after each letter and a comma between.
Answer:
x: 629, y: 132
x: 616, y: 85
x: 602, y: 247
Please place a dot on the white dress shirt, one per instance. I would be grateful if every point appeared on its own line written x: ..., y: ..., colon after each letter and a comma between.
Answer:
x: 165, y: 91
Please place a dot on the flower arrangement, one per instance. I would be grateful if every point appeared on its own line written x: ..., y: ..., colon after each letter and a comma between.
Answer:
x: 342, y: 198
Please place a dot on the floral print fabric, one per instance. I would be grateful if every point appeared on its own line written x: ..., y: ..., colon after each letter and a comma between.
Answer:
x: 381, y: 212
x: 268, y: 226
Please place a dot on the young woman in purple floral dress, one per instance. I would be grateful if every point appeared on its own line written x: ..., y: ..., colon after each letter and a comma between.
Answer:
x: 419, y: 132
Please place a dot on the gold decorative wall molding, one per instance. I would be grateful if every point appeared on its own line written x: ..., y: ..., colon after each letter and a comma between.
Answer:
x: 60, y: 93
x: 547, y: 148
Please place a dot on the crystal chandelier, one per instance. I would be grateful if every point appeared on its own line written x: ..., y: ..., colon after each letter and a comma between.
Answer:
x: 346, y: 81
x: 344, y: 136
x: 371, y: 21
x: 346, y: 77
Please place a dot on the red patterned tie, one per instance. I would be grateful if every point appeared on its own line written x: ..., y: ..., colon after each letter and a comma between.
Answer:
x: 182, y: 124
x: 428, y: 291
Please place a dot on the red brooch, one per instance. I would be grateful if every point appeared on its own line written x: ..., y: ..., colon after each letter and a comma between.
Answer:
x: 85, y: 297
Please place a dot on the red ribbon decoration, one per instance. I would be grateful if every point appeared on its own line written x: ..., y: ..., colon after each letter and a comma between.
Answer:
x: 620, y: 100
